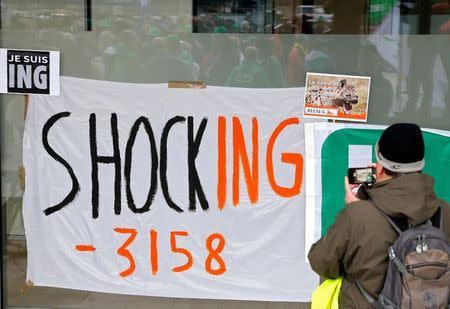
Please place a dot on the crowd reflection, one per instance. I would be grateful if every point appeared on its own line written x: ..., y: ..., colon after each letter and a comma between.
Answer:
x: 406, y: 84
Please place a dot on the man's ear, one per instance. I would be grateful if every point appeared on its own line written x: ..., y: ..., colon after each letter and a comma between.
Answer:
x: 380, y: 171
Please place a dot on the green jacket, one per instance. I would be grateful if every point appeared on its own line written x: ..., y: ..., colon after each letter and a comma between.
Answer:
x: 248, y: 75
x: 355, y: 246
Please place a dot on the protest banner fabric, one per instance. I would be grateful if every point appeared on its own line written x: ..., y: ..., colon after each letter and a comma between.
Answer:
x: 140, y: 189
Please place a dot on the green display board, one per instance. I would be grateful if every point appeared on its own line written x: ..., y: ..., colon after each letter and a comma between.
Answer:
x: 379, y: 9
x: 335, y: 164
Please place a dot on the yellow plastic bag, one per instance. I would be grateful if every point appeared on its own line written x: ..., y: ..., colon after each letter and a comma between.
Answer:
x: 326, y: 296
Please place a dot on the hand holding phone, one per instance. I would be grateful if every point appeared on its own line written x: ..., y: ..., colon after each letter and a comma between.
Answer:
x: 350, y: 196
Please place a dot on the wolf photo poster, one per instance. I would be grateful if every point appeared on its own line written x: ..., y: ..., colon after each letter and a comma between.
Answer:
x: 145, y: 190
x: 338, y: 97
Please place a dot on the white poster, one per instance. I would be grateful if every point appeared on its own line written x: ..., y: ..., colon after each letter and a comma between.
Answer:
x: 341, y: 97
x: 193, y: 193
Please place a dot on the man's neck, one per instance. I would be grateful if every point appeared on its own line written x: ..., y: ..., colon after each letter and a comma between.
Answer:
x: 384, y: 177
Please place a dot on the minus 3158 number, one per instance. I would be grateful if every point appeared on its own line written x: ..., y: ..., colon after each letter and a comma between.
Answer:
x: 213, y: 252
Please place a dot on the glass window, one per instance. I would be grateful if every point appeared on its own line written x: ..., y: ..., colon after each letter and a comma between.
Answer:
x: 402, y: 44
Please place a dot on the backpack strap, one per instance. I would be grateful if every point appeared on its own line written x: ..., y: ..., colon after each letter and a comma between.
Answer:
x: 399, y: 225
x: 436, y: 218
x: 391, y: 221
x: 394, y: 258
x: 364, y: 293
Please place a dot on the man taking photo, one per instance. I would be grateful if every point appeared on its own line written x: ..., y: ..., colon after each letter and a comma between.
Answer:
x: 356, y: 245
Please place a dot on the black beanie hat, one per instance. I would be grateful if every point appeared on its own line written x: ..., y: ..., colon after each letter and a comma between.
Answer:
x: 401, y: 148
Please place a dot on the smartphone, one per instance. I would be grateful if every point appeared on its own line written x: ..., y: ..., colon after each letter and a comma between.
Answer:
x: 360, y: 175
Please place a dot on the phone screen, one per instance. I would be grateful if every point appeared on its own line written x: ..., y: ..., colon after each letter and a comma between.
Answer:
x: 360, y: 175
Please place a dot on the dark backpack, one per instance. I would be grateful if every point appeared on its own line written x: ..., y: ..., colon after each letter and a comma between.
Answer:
x: 418, y: 273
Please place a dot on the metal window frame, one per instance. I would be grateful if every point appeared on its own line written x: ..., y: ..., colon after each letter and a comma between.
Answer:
x: 87, y: 15
x: 1, y: 20
x: 3, y: 240
x: 3, y: 234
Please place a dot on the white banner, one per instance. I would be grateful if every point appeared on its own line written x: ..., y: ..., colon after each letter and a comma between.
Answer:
x: 141, y: 189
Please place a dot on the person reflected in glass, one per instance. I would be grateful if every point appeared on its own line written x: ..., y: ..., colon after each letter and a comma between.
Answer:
x: 249, y: 74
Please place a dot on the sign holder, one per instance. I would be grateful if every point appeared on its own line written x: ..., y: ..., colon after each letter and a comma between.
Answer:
x: 22, y: 181
x: 187, y: 84
x: 2, y: 246
x: 21, y: 170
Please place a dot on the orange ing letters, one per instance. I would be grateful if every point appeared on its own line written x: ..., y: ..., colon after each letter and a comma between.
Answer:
x: 251, y: 174
x: 239, y: 151
x: 295, y: 159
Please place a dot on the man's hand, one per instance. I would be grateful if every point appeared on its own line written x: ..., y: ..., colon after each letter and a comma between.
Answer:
x: 349, y: 195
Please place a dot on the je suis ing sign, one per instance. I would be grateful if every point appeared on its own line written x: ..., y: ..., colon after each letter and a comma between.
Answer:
x: 29, y: 72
